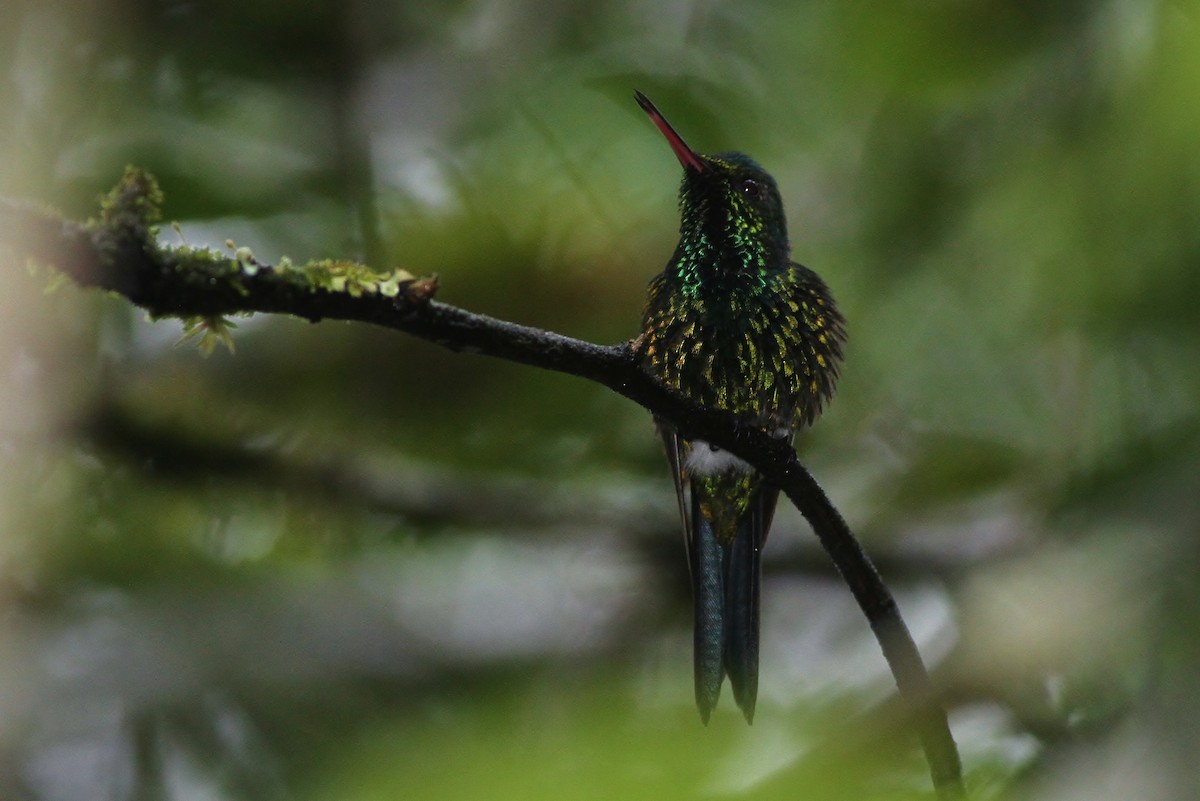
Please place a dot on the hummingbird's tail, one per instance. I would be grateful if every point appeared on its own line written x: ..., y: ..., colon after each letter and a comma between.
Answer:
x: 708, y: 597
x: 725, y: 582
x: 742, y: 578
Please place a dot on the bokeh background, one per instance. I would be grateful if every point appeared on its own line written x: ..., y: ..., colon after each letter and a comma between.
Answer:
x: 345, y: 564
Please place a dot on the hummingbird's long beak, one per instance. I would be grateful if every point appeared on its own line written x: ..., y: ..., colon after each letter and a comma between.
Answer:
x: 687, y: 157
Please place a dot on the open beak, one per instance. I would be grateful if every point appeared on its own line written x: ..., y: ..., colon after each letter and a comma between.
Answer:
x: 687, y: 157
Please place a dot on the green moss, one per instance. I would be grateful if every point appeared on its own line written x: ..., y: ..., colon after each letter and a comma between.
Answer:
x: 135, y: 202
x: 208, y: 333
x: 339, y: 275
x: 184, y: 279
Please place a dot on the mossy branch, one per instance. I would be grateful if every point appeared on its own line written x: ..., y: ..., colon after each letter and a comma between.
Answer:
x: 119, y: 252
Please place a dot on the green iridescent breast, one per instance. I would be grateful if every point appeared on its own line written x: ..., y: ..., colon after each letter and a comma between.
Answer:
x: 763, y: 344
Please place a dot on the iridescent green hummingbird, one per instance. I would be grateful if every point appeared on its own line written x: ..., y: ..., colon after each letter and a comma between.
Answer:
x: 733, y: 322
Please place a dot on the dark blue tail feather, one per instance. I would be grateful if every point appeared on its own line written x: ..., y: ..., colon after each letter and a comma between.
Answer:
x: 742, y: 578
x: 708, y: 597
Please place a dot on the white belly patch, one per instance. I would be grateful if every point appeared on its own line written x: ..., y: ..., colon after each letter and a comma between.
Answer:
x: 705, y: 460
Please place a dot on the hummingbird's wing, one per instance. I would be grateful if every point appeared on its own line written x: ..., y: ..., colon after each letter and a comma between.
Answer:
x: 675, y: 458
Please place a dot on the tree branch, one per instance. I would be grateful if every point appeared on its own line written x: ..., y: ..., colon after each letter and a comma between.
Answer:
x: 119, y: 253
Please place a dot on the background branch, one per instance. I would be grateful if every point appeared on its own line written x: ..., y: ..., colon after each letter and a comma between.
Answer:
x: 119, y: 253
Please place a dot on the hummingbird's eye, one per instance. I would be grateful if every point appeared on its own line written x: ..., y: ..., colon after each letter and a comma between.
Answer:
x: 750, y: 187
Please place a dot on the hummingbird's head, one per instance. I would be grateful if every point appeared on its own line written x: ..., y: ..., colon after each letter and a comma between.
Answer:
x: 727, y: 201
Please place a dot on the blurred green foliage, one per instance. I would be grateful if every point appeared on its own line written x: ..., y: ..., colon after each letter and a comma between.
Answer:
x: 347, y: 564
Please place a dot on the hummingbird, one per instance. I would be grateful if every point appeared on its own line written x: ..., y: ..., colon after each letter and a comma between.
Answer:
x: 732, y: 322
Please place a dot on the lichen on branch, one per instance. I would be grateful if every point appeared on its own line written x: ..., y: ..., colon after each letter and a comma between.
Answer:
x: 203, y: 284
